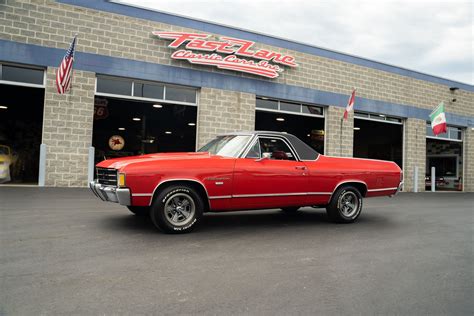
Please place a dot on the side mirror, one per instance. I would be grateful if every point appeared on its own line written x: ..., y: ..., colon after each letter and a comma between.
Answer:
x: 264, y: 156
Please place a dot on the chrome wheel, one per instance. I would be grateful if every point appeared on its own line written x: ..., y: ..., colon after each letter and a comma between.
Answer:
x: 348, y: 204
x: 180, y: 209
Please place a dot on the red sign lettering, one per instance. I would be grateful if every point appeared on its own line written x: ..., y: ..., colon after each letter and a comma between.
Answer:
x: 234, y: 48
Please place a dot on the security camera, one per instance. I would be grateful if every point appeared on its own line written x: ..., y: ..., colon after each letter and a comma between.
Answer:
x: 453, y: 100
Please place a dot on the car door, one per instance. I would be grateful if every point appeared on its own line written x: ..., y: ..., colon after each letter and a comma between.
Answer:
x: 269, y: 176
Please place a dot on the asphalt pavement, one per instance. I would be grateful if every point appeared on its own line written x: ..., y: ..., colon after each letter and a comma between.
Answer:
x: 64, y: 252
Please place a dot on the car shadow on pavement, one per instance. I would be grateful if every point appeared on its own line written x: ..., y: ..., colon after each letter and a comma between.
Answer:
x: 247, y: 220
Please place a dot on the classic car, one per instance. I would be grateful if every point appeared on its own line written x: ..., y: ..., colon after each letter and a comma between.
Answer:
x: 242, y: 171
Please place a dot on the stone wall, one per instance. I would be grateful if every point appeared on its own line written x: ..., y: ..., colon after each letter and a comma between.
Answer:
x: 469, y: 160
x: 222, y: 111
x: 67, y: 129
x: 339, y: 133
x: 415, y: 153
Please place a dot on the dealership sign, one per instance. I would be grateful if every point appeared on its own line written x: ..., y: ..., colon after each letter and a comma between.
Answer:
x: 227, y: 53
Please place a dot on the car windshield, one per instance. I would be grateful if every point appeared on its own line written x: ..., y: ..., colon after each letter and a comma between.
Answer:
x: 227, y: 146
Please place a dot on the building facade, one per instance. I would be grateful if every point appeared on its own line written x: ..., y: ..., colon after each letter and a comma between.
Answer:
x: 137, y: 89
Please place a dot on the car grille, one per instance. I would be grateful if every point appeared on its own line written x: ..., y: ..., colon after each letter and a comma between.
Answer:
x: 107, y: 176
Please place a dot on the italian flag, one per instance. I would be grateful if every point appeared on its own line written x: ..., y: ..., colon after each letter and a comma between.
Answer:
x: 438, y: 120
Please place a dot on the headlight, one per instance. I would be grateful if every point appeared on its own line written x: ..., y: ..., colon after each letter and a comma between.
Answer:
x: 121, y: 179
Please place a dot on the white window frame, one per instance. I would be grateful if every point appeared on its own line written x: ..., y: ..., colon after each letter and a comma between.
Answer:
x: 290, y: 112
x: 25, y: 84
x: 132, y: 97
x: 383, y: 118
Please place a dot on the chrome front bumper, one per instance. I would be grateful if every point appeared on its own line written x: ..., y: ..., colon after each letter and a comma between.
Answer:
x: 110, y: 193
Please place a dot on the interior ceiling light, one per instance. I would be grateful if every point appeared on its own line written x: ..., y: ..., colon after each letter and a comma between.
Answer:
x: 3, y: 107
x: 168, y: 132
x: 121, y: 128
x: 192, y: 124
x: 357, y: 128
x: 136, y: 119
x: 158, y: 106
x: 280, y: 119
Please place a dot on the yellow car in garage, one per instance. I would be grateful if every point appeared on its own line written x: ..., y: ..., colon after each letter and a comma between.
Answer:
x: 6, y: 159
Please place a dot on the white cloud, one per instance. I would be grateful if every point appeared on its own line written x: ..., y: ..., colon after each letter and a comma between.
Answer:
x: 428, y: 36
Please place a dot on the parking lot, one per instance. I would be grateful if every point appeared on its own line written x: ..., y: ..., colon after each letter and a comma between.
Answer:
x: 65, y: 252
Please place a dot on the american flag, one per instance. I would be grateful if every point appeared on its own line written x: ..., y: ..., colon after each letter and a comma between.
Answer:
x: 350, y: 104
x: 64, y: 72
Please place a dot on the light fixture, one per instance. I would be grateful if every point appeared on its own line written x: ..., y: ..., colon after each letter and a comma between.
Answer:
x: 356, y: 128
x: 280, y: 119
x: 192, y: 124
x: 308, y: 135
x: 168, y: 132
x: 453, y: 89
x: 158, y: 106
x: 136, y: 119
x: 3, y: 107
x: 121, y: 128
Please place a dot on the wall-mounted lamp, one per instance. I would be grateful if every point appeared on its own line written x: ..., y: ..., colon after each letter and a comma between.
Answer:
x: 452, y: 89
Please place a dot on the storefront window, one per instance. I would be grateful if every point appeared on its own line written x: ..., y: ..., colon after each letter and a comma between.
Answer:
x: 267, y: 104
x: 142, y: 89
x: 21, y: 74
x: 180, y: 94
x: 148, y: 90
x: 114, y: 86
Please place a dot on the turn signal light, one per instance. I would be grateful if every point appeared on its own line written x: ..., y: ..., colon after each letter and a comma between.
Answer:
x: 121, y: 179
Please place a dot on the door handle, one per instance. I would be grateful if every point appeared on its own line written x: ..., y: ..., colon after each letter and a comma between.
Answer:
x: 300, y: 167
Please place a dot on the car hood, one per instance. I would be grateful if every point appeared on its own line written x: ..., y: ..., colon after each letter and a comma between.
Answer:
x: 118, y: 163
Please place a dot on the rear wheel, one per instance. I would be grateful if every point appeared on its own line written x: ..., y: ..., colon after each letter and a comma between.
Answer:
x: 290, y: 210
x: 177, y: 209
x: 345, y: 205
x: 139, y: 210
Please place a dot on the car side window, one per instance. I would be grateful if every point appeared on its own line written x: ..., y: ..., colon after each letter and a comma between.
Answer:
x: 275, y: 148
x: 254, y: 152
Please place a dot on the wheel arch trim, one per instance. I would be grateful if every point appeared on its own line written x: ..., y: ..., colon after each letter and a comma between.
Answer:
x: 349, y: 181
x: 180, y: 180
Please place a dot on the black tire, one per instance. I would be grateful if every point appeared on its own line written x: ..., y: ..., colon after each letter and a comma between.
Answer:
x: 290, y: 210
x: 177, y: 209
x: 139, y: 210
x: 339, y: 209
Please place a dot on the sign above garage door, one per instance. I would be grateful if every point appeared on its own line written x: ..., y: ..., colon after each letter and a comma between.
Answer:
x: 227, y: 53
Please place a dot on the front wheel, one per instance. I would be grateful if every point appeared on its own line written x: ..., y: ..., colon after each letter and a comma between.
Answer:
x: 177, y: 209
x: 345, y: 205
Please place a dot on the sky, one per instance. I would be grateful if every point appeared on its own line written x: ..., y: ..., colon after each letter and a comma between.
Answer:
x: 433, y: 37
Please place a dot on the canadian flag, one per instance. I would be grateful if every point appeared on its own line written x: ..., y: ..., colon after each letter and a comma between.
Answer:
x: 350, y: 103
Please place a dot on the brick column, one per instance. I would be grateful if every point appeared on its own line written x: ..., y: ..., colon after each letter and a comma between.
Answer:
x: 415, y: 153
x: 222, y: 111
x: 67, y: 130
x: 339, y: 133
x: 468, y: 179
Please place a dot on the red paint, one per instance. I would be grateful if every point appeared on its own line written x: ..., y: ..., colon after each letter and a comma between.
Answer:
x: 300, y: 183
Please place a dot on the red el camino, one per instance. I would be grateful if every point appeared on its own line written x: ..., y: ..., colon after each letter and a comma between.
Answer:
x: 242, y: 171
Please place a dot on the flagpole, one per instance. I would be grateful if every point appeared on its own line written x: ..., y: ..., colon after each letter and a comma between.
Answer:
x: 340, y: 138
